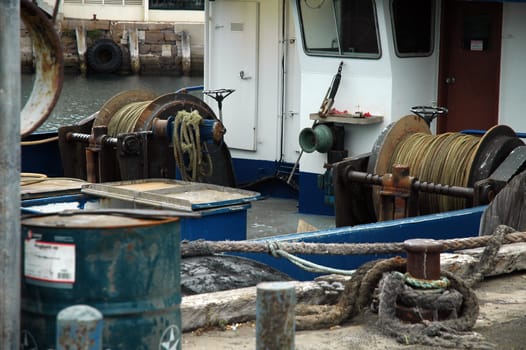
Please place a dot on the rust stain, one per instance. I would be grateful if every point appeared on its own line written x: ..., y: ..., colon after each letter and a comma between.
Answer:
x: 49, y: 66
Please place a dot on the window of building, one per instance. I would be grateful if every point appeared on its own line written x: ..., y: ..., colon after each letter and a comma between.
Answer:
x: 340, y: 28
x: 413, y: 27
x: 105, y: 2
x: 177, y: 4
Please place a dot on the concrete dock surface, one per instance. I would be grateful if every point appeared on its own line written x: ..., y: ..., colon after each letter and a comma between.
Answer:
x: 502, y: 318
x: 502, y: 321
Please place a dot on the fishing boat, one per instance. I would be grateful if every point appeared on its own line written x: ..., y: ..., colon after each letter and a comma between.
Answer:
x: 281, y: 67
x: 343, y: 105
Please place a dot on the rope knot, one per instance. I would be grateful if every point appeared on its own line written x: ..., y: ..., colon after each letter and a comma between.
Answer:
x: 273, y: 248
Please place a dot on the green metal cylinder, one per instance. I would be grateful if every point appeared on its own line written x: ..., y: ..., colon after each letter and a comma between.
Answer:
x: 127, y: 268
x: 318, y: 138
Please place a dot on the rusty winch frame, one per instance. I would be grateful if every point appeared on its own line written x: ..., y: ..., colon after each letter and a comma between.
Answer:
x: 88, y: 152
x: 366, y: 190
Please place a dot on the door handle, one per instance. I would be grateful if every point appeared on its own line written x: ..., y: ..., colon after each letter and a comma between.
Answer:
x: 450, y: 80
x: 243, y: 76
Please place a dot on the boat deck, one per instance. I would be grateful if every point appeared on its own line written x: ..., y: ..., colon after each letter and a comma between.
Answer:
x: 275, y: 216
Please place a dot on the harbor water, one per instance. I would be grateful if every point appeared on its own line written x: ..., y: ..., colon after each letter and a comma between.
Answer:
x: 82, y: 96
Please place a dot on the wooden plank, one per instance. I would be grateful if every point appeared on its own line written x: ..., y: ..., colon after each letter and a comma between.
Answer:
x: 50, y: 187
x: 348, y: 119
x: 511, y: 257
x: 236, y: 305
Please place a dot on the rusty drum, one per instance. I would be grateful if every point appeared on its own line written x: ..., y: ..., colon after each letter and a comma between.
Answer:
x: 126, y: 267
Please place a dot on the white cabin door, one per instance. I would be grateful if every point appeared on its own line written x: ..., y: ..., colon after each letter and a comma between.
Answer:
x: 234, y: 65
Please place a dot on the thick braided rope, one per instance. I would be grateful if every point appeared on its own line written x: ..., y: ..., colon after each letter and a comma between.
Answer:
x: 187, y: 147
x: 356, y: 296
x: 451, y: 333
x: 196, y: 248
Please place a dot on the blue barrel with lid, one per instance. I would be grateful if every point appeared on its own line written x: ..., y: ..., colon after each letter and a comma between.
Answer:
x: 127, y: 267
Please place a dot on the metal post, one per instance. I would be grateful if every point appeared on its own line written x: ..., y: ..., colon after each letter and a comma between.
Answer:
x: 423, y: 258
x: 10, y: 174
x: 79, y: 327
x: 275, y: 326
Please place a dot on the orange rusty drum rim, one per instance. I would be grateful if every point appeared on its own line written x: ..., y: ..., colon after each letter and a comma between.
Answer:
x: 91, y: 221
x: 168, y: 105
x: 115, y: 103
x: 385, y: 145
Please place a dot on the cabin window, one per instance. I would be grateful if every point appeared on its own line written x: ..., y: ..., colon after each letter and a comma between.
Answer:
x: 177, y: 4
x: 339, y: 28
x: 413, y: 26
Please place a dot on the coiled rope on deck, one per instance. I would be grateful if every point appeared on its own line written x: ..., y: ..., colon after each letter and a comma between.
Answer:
x: 445, y: 159
x: 382, y: 285
x: 187, y: 147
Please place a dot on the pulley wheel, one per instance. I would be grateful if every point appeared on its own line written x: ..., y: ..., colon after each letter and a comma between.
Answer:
x: 385, y: 145
x: 49, y: 67
x: 115, y: 103
x: 496, y: 144
x: 168, y: 105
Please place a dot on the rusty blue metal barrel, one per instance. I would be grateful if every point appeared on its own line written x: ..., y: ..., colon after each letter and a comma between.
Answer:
x: 126, y: 267
x: 79, y: 327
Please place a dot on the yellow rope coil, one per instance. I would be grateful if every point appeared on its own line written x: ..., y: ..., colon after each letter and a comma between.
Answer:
x: 27, y: 179
x: 187, y: 146
x: 446, y: 159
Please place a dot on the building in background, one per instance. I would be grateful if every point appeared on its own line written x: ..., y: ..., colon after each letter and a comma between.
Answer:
x: 127, y: 36
x: 186, y: 11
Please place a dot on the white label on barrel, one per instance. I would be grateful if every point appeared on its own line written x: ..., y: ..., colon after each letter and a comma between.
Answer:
x: 49, y: 262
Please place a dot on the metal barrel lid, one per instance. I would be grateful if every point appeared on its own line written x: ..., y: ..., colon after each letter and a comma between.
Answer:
x: 92, y: 221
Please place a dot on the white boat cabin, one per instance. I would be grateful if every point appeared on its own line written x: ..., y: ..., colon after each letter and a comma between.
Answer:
x: 280, y: 56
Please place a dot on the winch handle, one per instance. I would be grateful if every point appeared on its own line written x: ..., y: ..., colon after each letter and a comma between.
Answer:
x: 219, y: 95
x: 428, y: 113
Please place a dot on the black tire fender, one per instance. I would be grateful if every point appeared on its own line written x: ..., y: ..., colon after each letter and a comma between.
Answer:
x: 104, y: 56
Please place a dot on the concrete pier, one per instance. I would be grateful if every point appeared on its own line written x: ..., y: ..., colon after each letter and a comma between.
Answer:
x: 148, y: 48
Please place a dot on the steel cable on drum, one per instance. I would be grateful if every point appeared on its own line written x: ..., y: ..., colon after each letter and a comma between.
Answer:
x: 445, y: 159
x: 125, y: 119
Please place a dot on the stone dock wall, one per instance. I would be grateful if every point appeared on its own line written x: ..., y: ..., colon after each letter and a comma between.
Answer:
x: 147, y: 48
